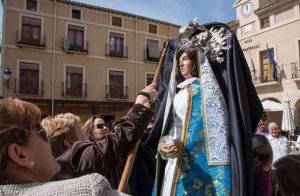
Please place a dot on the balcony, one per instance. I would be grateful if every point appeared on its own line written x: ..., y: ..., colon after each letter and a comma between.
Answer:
x: 28, y: 38
x: 29, y: 87
x: 268, y: 78
x: 148, y: 58
x: 74, y: 46
x: 70, y: 89
x: 117, y: 51
x: 116, y: 92
x: 295, y: 69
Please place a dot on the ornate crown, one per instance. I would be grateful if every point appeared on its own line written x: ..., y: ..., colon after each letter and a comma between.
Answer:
x: 211, y: 42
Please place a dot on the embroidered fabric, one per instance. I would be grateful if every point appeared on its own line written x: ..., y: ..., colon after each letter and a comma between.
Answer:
x: 215, y: 115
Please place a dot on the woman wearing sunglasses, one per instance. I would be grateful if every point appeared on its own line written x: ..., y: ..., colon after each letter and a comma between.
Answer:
x: 263, y: 157
x: 103, y: 156
x: 95, y: 128
x: 26, y: 160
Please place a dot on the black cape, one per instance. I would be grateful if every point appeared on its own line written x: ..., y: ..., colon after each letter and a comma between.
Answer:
x: 142, y: 175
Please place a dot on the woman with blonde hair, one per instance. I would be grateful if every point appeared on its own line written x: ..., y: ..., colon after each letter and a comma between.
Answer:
x: 26, y: 161
x: 63, y: 130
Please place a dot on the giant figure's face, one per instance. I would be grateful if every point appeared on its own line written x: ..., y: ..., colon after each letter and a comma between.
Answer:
x: 185, y: 65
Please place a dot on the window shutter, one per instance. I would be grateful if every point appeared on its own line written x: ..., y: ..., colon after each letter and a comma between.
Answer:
x: 76, y: 70
x: 153, y: 48
x: 30, y: 66
x: 31, y: 21
x: 116, y: 21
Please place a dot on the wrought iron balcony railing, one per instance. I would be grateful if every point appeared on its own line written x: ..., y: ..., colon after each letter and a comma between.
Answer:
x: 28, y: 38
x: 71, y: 45
x: 116, y: 92
x: 114, y: 50
x: 267, y: 75
x: 29, y: 87
x: 295, y: 69
x: 74, y: 89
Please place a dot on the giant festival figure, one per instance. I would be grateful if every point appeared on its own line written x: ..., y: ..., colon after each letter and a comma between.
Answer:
x: 207, y: 113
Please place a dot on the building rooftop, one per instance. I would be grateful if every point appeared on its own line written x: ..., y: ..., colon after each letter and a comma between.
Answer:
x: 271, y: 5
x: 116, y: 12
x: 233, y: 22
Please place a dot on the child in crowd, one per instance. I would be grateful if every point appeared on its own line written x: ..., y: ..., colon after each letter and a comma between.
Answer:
x: 263, y: 157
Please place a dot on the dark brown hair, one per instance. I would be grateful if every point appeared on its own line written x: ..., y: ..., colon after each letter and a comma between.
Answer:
x: 288, y: 175
x: 192, y: 55
x: 261, y: 145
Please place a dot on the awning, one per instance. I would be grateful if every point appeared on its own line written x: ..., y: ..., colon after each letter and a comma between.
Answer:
x: 272, y: 106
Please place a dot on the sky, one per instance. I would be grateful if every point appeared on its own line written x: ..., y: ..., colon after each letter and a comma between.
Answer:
x: 174, y: 11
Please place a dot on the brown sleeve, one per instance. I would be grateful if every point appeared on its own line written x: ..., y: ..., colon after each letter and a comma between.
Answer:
x: 103, y: 155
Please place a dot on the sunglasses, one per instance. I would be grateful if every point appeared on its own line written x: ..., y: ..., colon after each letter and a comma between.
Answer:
x: 261, y: 157
x: 38, y: 131
x: 99, y: 126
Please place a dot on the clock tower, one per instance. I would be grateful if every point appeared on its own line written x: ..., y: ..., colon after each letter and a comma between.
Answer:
x: 247, y: 18
x: 245, y: 14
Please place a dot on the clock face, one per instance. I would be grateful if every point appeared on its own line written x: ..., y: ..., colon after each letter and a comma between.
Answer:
x: 247, y: 9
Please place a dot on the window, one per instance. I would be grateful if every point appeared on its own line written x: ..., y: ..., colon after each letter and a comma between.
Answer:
x: 152, y: 28
x: 266, y: 67
x: 248, y: 28
x: 116, y: 21
x: 31, y: 32
x: 265, y: 22
x: 152, y: 50
x: 76, y: 14
x: 28, y: 79
x: 149, y: 78
x: 76, y: 38
x: 116, y: 45
x: 116, y: 87
x: 31, y: 5
x: 74, y: 85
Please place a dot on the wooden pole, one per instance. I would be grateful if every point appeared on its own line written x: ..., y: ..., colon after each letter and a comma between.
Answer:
x: 132, y: 153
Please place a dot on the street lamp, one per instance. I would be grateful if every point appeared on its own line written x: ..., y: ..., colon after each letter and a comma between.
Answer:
x: 7, y: 74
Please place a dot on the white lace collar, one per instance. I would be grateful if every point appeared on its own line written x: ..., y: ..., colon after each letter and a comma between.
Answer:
x: 186, y: 82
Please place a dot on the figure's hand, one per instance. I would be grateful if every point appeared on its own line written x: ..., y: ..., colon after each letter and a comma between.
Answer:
x: 170, y: 150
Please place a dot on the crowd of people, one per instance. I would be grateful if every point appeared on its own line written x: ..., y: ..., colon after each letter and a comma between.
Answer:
x: 275, y: 166
x: 36, y: 154
x: 58, y: 156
